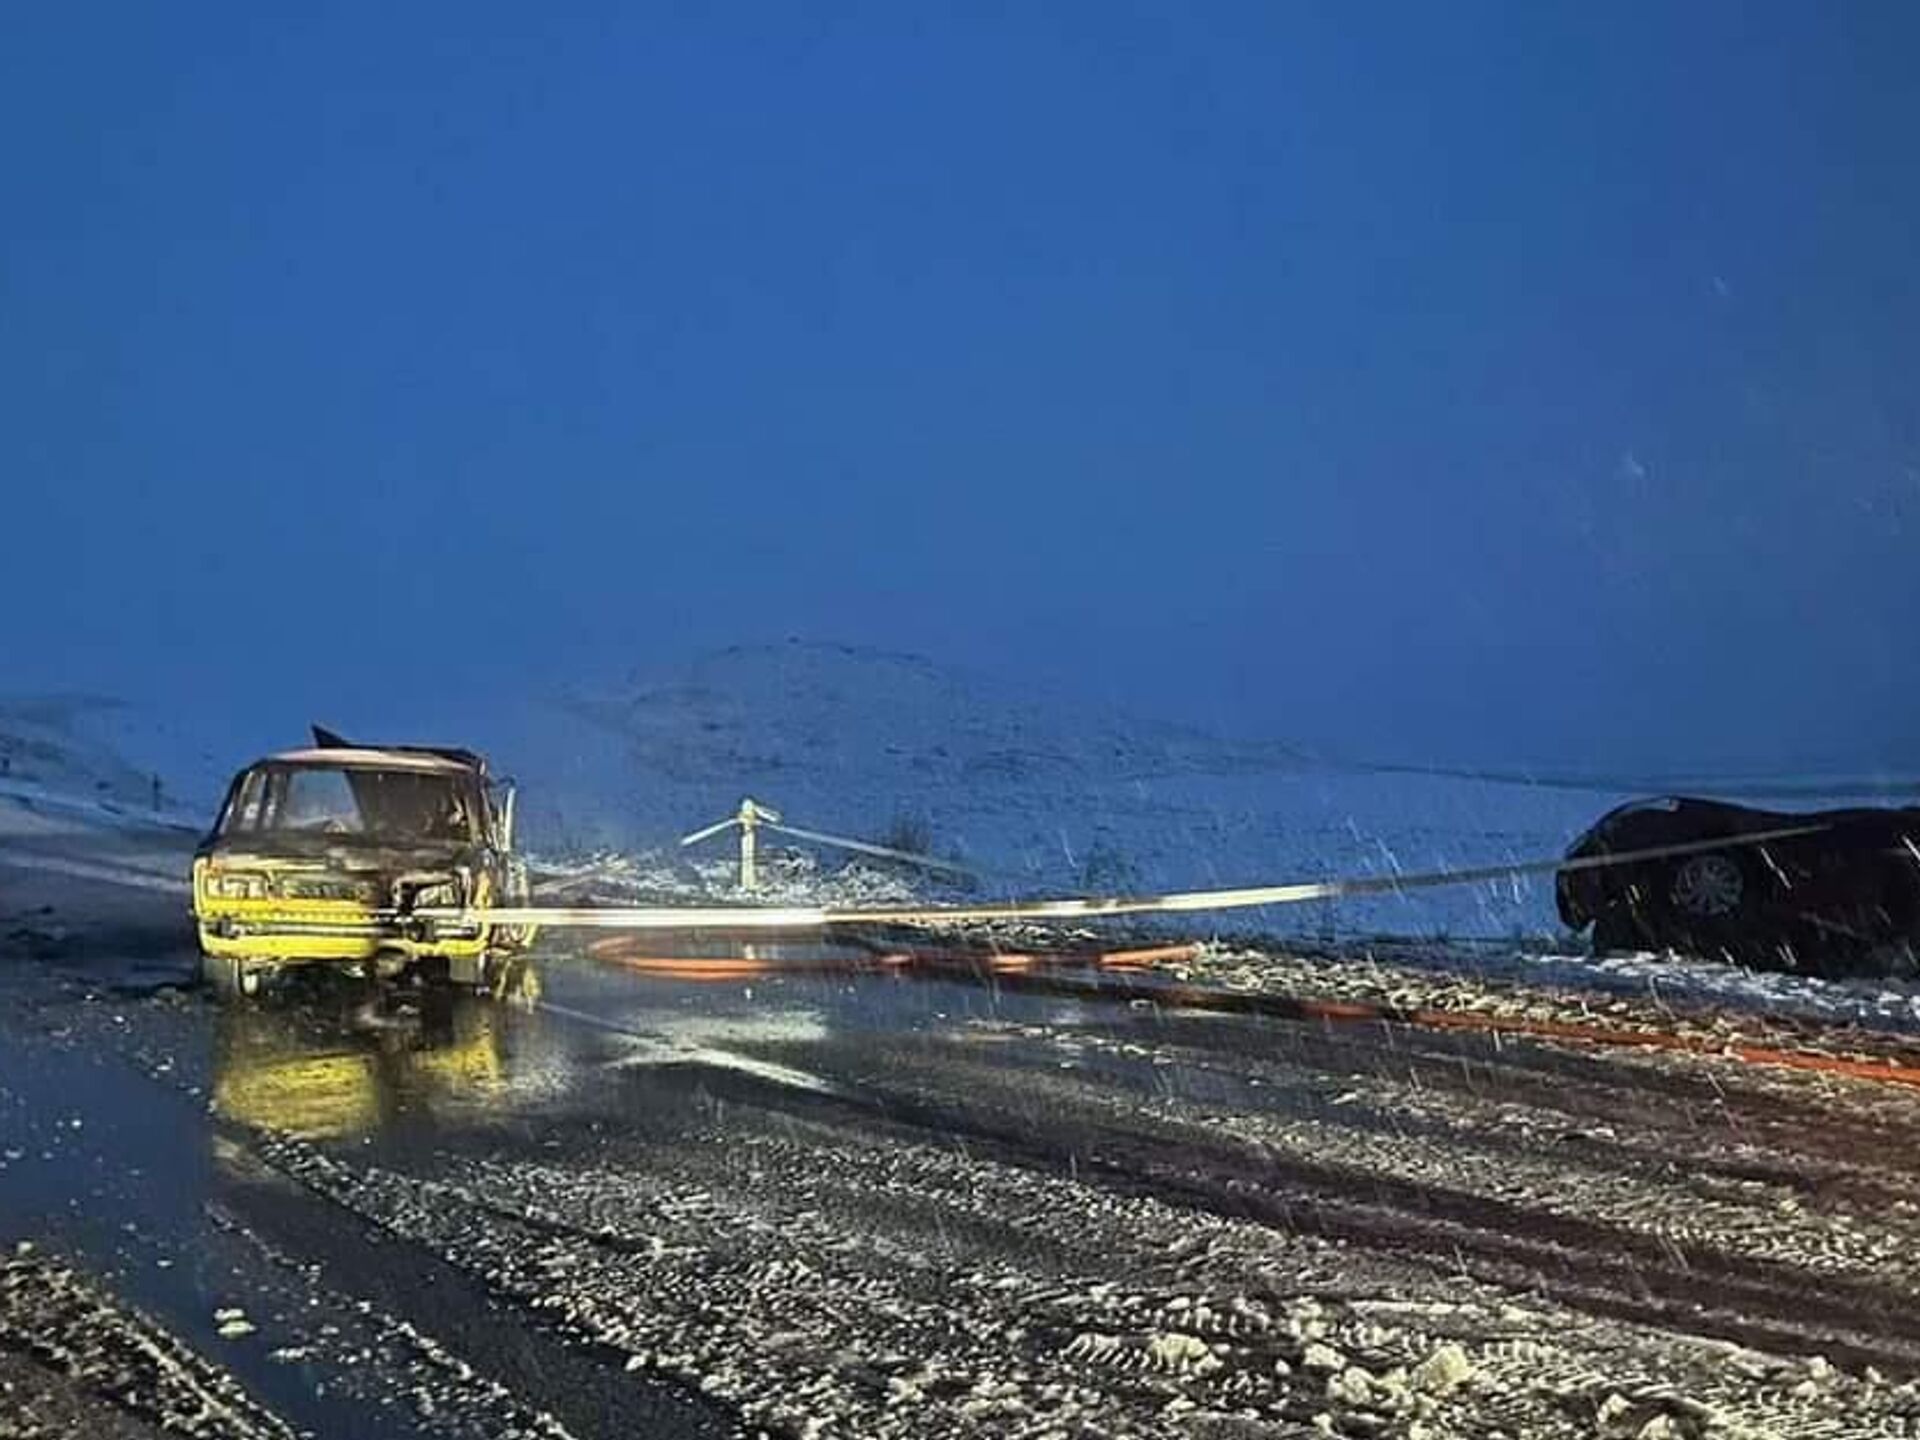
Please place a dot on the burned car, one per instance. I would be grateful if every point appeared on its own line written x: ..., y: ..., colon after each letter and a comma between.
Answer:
x: 1840, y: 894
x: 324, y: 856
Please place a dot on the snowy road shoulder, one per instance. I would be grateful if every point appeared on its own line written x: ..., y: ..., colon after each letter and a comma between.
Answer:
x: 74, y: 1360
x: 1669, y: 995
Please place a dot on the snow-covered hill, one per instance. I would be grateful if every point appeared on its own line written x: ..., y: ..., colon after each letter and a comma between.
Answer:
x: 1038, y: 795
x: 98, y: 749
x: 861, y: 737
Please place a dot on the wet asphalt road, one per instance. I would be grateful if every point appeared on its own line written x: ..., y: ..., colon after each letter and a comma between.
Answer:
x: 612, y: 1211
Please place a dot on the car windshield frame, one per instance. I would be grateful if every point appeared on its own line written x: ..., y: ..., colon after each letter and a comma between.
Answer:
x: 385, y: 802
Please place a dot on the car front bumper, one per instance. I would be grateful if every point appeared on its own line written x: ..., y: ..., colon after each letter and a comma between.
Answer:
x: 290, y: 936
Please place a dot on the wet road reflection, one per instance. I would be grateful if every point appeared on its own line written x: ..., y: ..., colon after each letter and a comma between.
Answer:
x: 323, y: 1058
x: 328, y: 1071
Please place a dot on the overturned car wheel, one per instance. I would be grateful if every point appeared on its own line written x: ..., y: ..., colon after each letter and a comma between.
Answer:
x: 1709, y: 889
x: 1712, y: 907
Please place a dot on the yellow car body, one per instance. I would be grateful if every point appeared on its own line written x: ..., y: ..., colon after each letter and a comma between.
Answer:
x: 323, y: 856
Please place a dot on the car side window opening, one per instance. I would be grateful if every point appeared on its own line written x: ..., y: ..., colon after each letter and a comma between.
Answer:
x: 248, y: 797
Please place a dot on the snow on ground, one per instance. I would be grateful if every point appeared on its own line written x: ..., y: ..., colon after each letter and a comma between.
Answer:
x: 1664, y: 992
x: 1071, y: 1224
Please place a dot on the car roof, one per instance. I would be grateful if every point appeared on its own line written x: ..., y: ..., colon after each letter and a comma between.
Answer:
x: 365, y: 758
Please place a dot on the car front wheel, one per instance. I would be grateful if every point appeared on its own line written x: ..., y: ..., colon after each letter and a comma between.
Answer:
x: 229, y: 977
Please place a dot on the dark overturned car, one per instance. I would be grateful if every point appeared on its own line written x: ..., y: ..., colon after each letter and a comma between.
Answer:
x: 1827, y: 892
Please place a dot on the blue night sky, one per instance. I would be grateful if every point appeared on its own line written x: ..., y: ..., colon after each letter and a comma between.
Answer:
x: 1493, y: 384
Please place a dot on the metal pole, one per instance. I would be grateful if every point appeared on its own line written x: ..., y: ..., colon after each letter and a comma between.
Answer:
x: 749, y: 817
